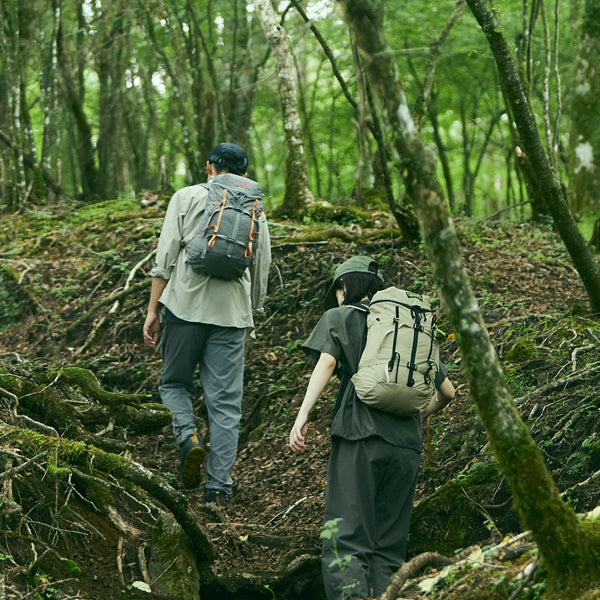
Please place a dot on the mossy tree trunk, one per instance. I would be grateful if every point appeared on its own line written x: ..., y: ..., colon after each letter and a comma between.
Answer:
x: 531, y: 143
x: 585, y: 113
x: 297, y: 192
x: 571, y: 549
x: 74, y: 94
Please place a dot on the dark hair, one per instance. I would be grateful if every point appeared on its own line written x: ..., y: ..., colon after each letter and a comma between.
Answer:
x: 359, y: 285
x: 221, y: 168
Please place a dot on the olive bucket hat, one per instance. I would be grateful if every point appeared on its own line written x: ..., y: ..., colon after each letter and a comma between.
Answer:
x: 355, y: 264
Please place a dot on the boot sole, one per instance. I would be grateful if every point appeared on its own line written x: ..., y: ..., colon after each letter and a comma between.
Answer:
x: 191, y: 474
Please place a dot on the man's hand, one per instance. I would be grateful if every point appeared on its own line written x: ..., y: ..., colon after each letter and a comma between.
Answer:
x: 151, y: 329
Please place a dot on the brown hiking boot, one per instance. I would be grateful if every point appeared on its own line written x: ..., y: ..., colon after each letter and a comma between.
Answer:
x: 218, y: 497
x: 192, y: 454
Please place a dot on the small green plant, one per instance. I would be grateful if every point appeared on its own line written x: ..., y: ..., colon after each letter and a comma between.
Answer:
x: 576, y: 462
x: 328, y: 532
x: 268, y: 587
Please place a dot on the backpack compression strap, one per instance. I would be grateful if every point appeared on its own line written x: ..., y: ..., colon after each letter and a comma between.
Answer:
x: 248, y: 252
x: 417, y: 313
x: 418, y: 328
x: 427, y: 376
x: 395, y: 354
x: 213, y: 239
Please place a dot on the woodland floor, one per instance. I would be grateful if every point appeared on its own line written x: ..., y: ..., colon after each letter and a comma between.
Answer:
x: 530, y: 297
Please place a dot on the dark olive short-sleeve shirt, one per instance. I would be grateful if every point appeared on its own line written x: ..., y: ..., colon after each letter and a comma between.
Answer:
x: 342, y: 332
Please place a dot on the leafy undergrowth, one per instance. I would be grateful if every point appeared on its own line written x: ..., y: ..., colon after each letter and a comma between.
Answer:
x: 74, y: 291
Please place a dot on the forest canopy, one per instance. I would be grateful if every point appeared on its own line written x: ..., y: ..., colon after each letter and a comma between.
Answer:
x: 100, y: 99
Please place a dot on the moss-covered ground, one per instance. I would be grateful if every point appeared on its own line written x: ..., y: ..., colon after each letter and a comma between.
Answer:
x: 59, y: 272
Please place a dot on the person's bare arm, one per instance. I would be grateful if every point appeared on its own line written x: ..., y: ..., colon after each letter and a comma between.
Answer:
x: 152, y: 323
x: 318, y: 380
x: 441, y: 399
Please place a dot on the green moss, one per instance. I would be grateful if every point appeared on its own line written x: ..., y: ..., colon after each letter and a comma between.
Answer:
x: 9, y: 382
x: 95, y: 491
x: 68, y: 452
x: 87, y: 381
x: 522, y: 350
x: 13, y: 300
x: 72, y: 568
x: 571, y: 549
x: 58, y: 472
x: 341, y: 215
x: 447, y: 521
x: 173, y: 563
x: 592, y: 447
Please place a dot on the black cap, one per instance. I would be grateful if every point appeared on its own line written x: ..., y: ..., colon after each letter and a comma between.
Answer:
x: 230, y: 156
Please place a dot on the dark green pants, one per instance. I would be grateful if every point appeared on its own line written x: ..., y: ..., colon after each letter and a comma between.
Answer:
x: 370, y: 487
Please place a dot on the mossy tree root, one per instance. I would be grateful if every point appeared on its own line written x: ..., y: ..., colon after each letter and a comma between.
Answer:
x: 87, y: 381
x: 92, y: 460
x: 411, y: 568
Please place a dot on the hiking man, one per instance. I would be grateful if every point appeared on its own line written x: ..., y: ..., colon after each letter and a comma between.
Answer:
x: 375, y: 455
x: 205, y: 320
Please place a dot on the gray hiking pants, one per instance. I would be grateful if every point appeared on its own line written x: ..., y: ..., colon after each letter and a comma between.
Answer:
x: 370, y: 487
x: 219, y: 354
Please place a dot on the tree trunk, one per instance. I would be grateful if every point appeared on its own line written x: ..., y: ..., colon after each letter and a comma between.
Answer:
x: 297, y: 192
x: 110, y: 76
x: 85, y: 147
x: 595, y: 239
x: 585, y: 115
x: 195, y: 164
x: 441, y: 148
x: 12, y: 77
x: 49, y: 77
x: 571, y: 549
x: 242, y: 78
x: 532, y: 145
x: 203, y: 100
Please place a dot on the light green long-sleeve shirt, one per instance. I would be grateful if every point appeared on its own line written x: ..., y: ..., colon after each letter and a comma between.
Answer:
x: 198, y: 298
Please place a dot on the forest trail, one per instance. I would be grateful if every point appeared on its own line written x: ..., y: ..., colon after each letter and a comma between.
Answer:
x: 531, y: 300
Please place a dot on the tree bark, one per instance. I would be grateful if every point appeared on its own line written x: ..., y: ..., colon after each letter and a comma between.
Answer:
x: 71, y: 453
x: 109, y: 66
x: 569, y: 547
x: 195, y: 166
x: 12, y: 76
x: 49, y: 78
x: 585, y: 114
x: 85, y: 147
x: 532, y: 145
x: 297, y: 192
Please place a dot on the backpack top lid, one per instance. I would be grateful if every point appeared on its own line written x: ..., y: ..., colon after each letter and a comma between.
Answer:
x: 230, y: 156
x: 355, y: 264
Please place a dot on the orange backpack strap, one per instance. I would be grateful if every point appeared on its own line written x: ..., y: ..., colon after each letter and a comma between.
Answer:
x: 211, y: 241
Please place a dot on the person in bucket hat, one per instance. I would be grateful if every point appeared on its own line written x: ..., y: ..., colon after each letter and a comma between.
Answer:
x: 355, y: 264
x: 375, y: 455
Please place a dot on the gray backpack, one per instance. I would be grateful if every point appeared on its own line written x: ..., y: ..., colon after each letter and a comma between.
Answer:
x: 224, y: 244
x: 397, y: 368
